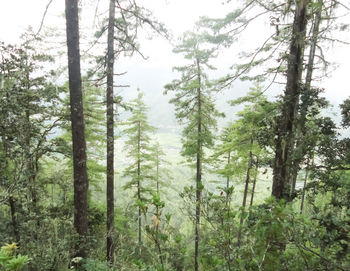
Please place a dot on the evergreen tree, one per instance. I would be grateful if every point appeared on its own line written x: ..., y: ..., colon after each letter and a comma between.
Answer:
x: 195, y: 107
x: 110, y: 133
x: 161, y: 178
x: 124, y: 20
x: 139, y: 151
x: 81, y: 182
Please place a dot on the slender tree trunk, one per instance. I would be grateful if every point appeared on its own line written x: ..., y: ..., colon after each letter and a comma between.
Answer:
x: 139, y: 184
x: 300, y: 128
x: 110, y: 134
x: 313, y: 45
x: 245, y: 194
x: 156, y: 239
x: 228, y: 206
x: 29, y: 158
x: 305, y: 181
x: 14, y: 220
x: 157, y: 180
x: 285, y: 125
x: 77, y: 119
x: 254, y: 182
x: 198, y: 171
x: 228, y: 180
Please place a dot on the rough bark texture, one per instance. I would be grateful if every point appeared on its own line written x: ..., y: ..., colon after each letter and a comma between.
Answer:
x: 300, y: 129
x: 110, y: 134
x: 198, y: 173
x: 77, y: 120
x: 285, y: 126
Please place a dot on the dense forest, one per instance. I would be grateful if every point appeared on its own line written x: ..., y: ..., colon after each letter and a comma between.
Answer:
x: 95, y: 178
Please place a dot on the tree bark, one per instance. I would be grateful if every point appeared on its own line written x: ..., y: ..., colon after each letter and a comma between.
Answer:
x: 245, y: 193
x: 303, y: 193
x: 300, y: 129
x: 14, y: 220
x: 254, y: 182
x: 198, y: 171
x: 228, y: 180
x: 158, y: 192
x: 77, y: 120
x: 285, y: 126
x: 228, y: 206
x: 139, y: 185
x: 110, y: 134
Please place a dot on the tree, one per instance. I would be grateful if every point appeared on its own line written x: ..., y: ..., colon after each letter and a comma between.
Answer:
x: 124, y: 20
x: 77, y: 119
x: 286, y: 46
x: 285, y: 125
x: 138, y: 147
x: 161, y: 178
x: 195, y: 107
x: 110, y: 133
x: 246, y: 134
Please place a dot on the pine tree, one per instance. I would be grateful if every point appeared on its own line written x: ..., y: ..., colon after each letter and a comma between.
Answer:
x: 81, y: 182
x: 139, y: 151
x: 160, y: 177
x: 285, y: 126
x: 110, y: 133
x: 195, y: 107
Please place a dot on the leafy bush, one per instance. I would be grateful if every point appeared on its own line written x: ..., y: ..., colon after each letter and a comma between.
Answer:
x: 9, y: 261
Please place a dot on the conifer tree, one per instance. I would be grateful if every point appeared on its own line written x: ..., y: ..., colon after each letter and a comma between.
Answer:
x: 195, y: 107
x: 110, y: 132
x: 139, y: 151
x: 160, y: 178
x: 81, y: 182
x: 286, y: 123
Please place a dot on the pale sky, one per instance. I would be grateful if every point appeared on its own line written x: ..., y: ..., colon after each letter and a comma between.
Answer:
x: 179, y: 16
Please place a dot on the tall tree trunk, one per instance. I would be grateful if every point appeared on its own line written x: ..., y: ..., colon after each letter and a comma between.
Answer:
x: 29, y: 162
x: 303, y: 193
x: 78, y: 136
x: 198, y: 171
x: 285, y: 125
x: 14, y: 220
x: 254, y: 181
x: 228, y: 206
x: 110, y: 134
x: 139, y: 185
x: 245, y: 193
x: 300, y: 127
x: 158, y: 192
x: 228, y: 180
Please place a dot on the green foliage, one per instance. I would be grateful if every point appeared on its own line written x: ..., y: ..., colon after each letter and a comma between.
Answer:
x: 36, y: 197
x: 9, y: 261
x: 345, y: 111
x: 193, y: 100
x: 138, y: 149
x: 95, y: 265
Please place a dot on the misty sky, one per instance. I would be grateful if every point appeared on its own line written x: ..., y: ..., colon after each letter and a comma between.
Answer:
x: 178, y: 16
